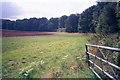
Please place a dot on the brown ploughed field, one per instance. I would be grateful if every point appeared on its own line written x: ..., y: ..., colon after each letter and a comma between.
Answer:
x: 13, y: 33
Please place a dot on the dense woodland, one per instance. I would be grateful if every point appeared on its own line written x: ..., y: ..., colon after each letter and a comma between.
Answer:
x: 100, y: 18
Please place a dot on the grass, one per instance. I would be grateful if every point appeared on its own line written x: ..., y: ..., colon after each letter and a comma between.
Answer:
x: 61, y: 56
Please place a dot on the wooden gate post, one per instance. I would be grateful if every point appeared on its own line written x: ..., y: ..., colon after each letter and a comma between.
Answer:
x: 87, y: 56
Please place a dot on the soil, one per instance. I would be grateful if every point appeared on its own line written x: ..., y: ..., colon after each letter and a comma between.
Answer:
x: 13, y: 33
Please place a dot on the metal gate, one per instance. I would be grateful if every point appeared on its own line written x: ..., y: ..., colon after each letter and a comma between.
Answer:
x: 100, y: 64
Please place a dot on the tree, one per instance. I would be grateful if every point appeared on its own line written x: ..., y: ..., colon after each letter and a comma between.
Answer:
x: 62, y: 20
x: 7, y: 24
x: 53, y: 24
x: 107, y: 19
x: 43, y: 24
x: 118, y: 14
x: 85, y: 20
x: 71, y: 23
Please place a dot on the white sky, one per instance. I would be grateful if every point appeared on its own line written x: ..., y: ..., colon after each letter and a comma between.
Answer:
x: 19, y: 9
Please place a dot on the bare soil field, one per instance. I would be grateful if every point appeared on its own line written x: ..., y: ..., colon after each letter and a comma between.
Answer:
x: 13, y: 33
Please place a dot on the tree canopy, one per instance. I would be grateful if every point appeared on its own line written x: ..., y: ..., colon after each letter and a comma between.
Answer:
x: 101, y: 18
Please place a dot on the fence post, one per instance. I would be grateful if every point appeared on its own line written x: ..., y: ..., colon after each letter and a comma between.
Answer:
x: 87, y: 56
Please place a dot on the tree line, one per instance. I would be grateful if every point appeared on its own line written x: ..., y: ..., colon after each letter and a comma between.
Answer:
x: 101, y: 18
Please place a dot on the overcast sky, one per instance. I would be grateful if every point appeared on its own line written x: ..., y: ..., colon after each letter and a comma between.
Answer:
x: 19, y: 9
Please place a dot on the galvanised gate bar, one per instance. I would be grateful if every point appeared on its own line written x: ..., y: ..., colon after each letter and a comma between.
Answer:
x: 99, y: 64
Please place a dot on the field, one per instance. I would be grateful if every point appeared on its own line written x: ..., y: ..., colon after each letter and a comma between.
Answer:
x: 60, y: 55
x: 13, y: 33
